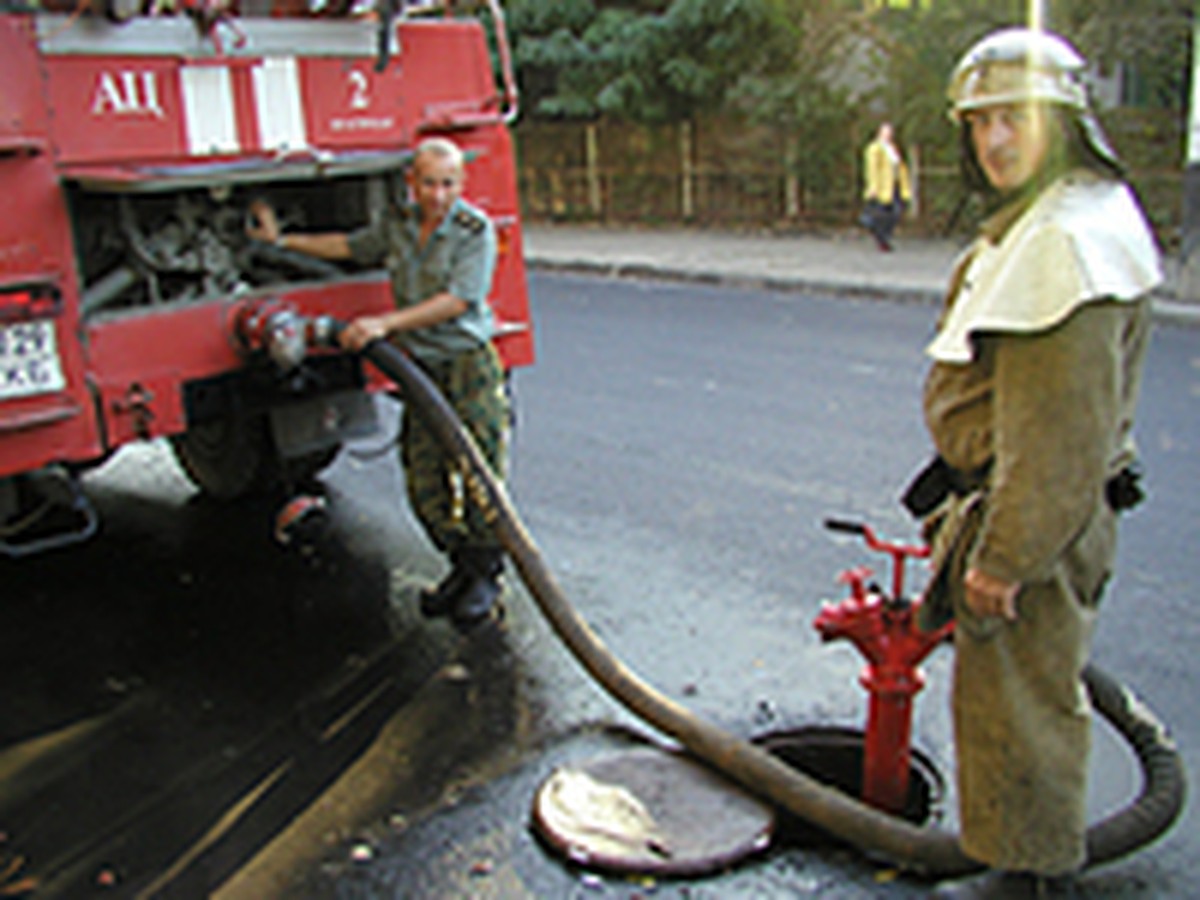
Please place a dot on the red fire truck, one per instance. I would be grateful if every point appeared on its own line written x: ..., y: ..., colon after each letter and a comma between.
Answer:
x: 134, y: 135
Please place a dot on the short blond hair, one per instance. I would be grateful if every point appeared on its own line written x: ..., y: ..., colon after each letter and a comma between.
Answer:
x: 441, y: 147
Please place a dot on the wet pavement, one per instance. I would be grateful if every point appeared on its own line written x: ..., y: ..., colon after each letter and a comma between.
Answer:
x: 287, y: 726
x: 178, y: 688
x: 661, y: 608
x: 481, y: 846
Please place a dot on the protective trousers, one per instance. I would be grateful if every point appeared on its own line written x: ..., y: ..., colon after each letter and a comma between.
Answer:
x: 473, y: 384
x: 1022, y: 718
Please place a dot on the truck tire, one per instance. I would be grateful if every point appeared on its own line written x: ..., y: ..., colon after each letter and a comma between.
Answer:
x: 228, y: 458
x: 232, y: 457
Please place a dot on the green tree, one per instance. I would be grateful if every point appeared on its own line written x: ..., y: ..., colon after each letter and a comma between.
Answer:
x: 674, y: 65
x: 555, y: 56
x: 811, y: 99
x: 1150, y: 39
x: 578, y: 59
x: 821, y: 74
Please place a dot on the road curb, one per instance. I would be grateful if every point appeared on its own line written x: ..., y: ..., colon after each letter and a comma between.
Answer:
x: 649, y: 271
x: 1167, y: 307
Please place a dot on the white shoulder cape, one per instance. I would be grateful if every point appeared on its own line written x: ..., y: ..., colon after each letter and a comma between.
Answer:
x: 1083, y: 239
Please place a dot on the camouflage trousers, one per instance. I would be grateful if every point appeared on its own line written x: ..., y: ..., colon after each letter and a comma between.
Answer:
x: 473, y: 384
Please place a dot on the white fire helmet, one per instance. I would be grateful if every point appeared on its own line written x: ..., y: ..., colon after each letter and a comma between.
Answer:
x: 1024, y: 65
x: 1017, y: 65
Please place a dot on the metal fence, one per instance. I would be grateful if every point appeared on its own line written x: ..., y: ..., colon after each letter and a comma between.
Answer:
x: 741, y: 198
x: 778, y: 200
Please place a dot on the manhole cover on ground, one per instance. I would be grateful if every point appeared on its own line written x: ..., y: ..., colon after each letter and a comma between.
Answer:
x: 651, y: 811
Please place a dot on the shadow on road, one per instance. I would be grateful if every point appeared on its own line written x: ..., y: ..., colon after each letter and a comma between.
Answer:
x: 180, y: 690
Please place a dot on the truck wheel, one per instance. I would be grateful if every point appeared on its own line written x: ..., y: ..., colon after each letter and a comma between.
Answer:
x: 228, y: 458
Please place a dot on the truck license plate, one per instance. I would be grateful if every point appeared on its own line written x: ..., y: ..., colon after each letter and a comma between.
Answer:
x: 29, y: 362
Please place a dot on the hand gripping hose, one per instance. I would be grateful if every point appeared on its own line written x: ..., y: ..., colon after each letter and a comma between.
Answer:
x: 926, y: 850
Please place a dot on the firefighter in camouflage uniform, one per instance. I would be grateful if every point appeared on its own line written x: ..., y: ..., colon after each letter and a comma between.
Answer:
x: 441, y: 253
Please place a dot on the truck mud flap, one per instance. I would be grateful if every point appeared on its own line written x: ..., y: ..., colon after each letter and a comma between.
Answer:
x: 317, y: 423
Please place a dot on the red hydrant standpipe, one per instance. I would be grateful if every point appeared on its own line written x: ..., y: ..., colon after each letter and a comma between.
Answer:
x: 884, y: 630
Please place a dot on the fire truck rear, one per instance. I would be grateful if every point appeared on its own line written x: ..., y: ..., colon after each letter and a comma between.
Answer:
x: 133, y: 140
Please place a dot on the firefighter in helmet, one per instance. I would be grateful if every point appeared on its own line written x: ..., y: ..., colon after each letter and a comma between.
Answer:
x: 1029, y: 401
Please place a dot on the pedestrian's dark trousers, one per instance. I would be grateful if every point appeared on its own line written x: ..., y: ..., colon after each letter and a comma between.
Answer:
x: 473, y: 384
x: 882, y: 218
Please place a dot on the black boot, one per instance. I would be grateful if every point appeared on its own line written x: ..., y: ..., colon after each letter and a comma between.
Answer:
x: 1008, y: 886
x: 475, y: 602
x: 439, y: 600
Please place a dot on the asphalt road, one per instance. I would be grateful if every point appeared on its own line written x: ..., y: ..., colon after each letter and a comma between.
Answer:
x: 678, y: 448
x: 190, y: 710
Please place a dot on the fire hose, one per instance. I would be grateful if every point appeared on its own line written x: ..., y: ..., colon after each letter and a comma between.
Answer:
x: 925, y: 850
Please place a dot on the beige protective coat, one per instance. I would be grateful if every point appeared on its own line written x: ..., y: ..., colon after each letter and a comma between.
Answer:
x: 1048, y: 405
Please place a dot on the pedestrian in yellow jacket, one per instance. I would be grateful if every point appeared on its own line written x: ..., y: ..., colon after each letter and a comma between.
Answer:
x: 887, y: 189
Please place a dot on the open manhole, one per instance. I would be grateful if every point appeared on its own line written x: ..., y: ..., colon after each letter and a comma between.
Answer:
x: 834, y: 756
x: 650, y: 811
